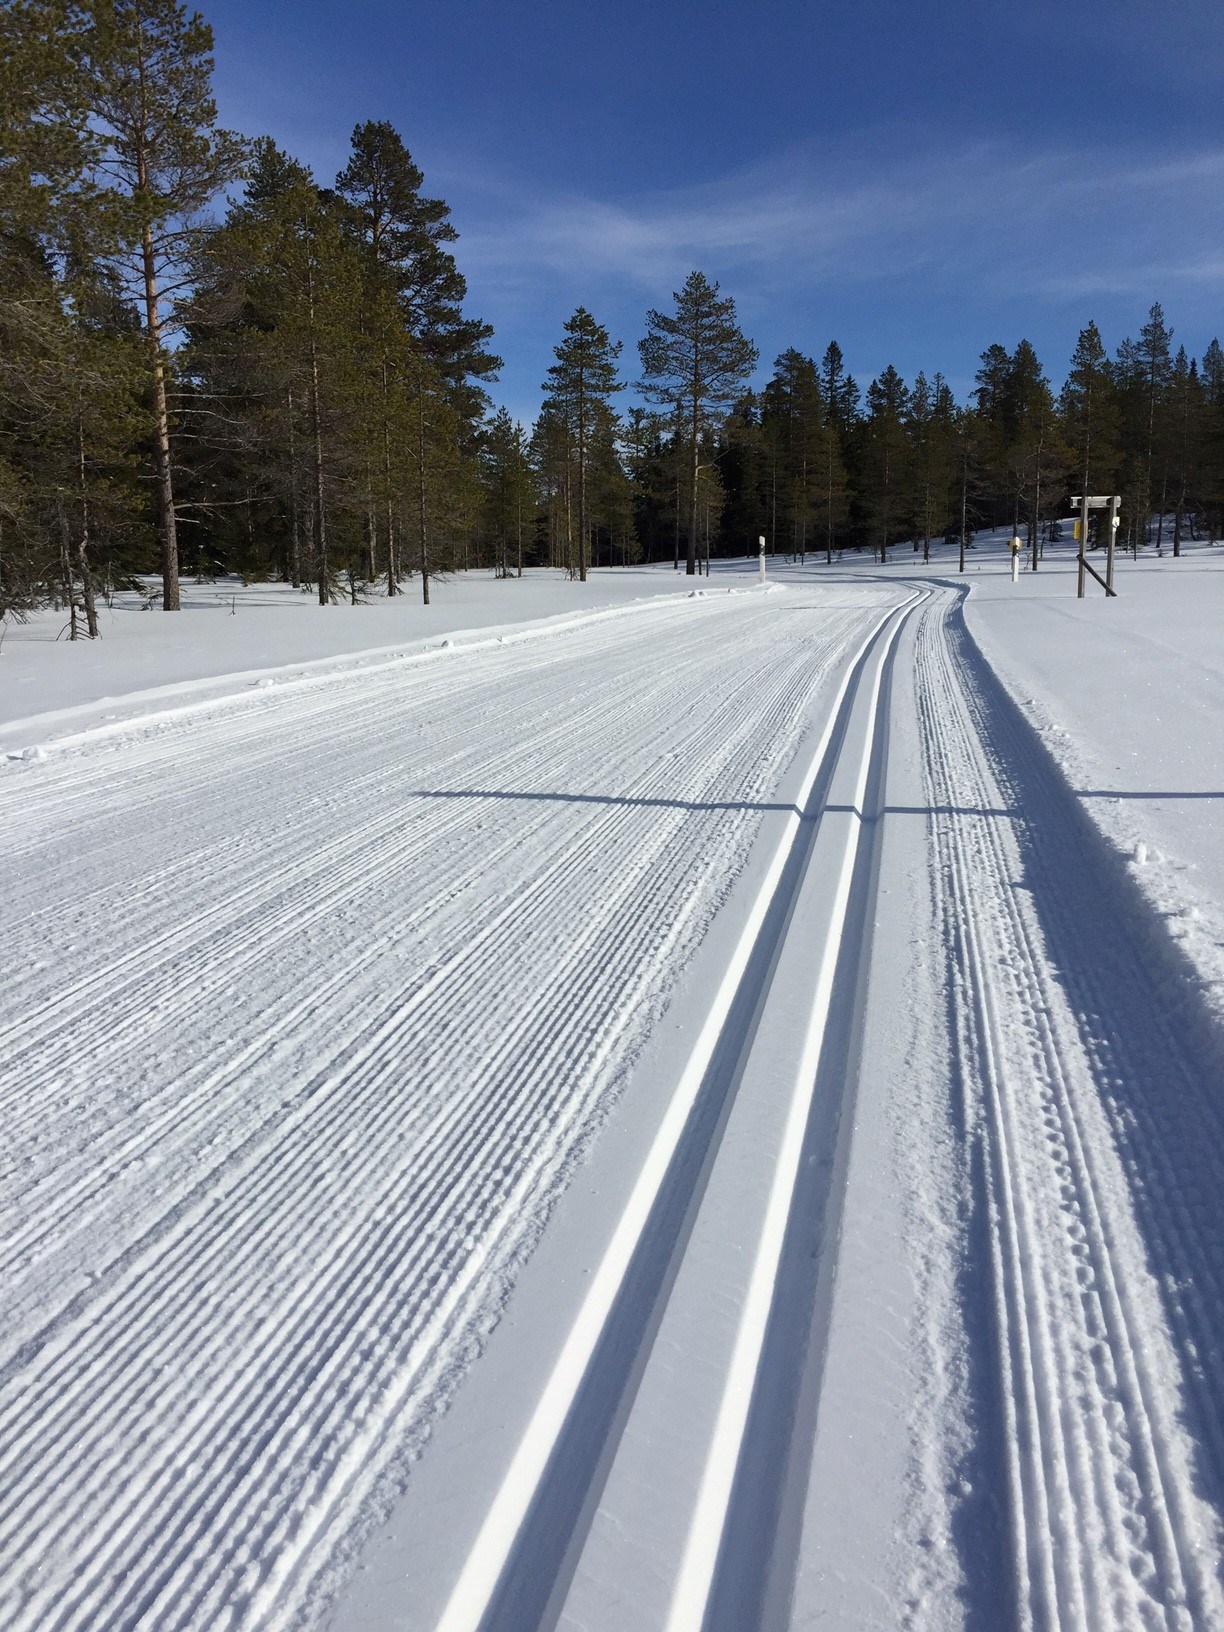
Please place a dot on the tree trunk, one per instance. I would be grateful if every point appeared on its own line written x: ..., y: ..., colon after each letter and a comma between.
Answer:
x: 690, y: 564
x: 87, y: 583
x: 518, y: 516
x: 582, y: 480
x: 161, y: 429
x: 66, y: 583
x: 422, y: 506
x: 295, y: 508
x: 320, y: 518
x: 392, y: 576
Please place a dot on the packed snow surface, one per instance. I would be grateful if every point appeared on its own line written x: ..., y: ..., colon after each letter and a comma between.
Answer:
x: 229, y: 633
x: 642, y: 1106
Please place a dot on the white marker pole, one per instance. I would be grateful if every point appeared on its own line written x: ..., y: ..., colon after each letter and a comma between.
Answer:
x: 761, y: 557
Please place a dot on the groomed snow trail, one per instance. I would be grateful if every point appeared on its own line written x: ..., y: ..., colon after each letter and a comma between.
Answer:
x: 1096, y: 1136
x: 662, y: 1481
x: 650, y: 1408
x: 321, y: 993
x: 315, y: 998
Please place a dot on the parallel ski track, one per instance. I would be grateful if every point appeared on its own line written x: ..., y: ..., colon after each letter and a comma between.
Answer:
x: 1107, y: 1529
x: 515, y: 1576
x: 271, y: 1288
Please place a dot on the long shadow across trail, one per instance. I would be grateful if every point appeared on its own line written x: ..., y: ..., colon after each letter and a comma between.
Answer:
x: 1154, y: 1050
x: 655, y: 802
x: 1133, y: 793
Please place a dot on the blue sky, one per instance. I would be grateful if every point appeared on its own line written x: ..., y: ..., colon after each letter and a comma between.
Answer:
x: 915, y: 180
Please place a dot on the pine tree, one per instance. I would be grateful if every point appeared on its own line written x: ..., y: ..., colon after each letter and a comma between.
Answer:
x: 932, y: 429
x: 697, y: 360
x: 970, y: 430
x: 408, y: 234
x: 1037, y: 456
x: 150, y: 72
x: 283, y: 286
x: 70, y: 416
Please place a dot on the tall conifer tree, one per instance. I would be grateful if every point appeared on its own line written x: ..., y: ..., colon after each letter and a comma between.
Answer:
x: 579, y: 383
x: 698, y: 360
x: 151, y: 99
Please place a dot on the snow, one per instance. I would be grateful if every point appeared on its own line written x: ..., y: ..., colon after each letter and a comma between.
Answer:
x: 233, y: 634
x: 1128, y: 695
x: 624, y: 1105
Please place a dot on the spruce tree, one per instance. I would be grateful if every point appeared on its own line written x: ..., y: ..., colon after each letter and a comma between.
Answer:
x: 1187, y: 420
x: 838, y: 389
x: 1153, y: 354
x: 1212, y: 374
x: 1090, y: 415
x: 650, y: 461
x: 1212, y: 477
x: 509, y: 492
x: 888, y: 460
x: 1037, y: 456
x: 795, y: 435
x: 579, y: 382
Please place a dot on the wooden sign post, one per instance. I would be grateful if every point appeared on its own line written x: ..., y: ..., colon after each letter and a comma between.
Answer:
x: 1110, y: 502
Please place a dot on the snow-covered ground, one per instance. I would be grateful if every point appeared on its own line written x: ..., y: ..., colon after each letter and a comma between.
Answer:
x: 1128, y: 696
x: 227, y: 629
x: 681, y: 1115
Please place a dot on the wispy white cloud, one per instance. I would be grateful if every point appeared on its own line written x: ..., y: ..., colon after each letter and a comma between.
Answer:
x: 1058, y: 223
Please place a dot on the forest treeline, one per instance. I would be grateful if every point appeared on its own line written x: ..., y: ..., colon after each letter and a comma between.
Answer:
x: 211, y: 362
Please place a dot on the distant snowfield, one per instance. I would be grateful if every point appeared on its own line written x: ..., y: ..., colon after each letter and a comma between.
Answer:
x: 618, y: 1107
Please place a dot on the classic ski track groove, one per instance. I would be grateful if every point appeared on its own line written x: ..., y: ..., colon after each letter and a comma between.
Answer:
x: 473, y: 1604
x: 397, y: 1289
x: 1104, y: 1527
